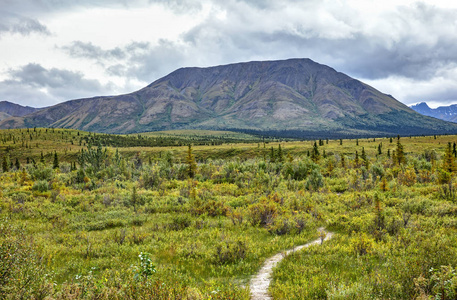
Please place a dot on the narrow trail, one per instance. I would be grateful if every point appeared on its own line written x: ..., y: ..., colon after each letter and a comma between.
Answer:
x: 260, y: 282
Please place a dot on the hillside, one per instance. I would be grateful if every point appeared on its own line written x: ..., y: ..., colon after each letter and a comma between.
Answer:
x: 295, y: 97
x: 447, y: 113
x: 4, y: 115
x: 9, y: 109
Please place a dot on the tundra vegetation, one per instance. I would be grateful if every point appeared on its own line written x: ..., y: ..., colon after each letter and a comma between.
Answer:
x: 92, y: 216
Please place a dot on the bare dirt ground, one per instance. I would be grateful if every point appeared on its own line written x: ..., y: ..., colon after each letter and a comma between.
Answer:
x: 260, y: 282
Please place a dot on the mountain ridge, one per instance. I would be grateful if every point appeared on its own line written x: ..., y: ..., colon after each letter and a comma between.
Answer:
x: 446, y: 113
x: 294, y: 95
x: 10, y: 109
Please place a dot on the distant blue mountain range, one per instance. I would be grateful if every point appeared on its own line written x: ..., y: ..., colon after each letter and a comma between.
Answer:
x: 447, y: 113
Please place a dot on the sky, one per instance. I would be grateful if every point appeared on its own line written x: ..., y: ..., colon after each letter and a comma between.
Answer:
x: 57, y: 50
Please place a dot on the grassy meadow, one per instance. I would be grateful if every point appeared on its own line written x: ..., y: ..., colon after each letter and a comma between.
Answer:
x: 94, y: 216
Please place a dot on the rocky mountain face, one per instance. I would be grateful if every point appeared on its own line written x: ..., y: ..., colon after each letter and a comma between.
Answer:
x: 295, y: 97
x: 447, y: 113
x: 8, y: 110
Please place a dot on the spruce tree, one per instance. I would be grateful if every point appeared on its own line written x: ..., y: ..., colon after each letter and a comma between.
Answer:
x: 315, y: 155
x: 5, y: 166
x: 134, y: 199
x: 280, y: 155
x: 272, y: 155
x: 449, y: 160
x: 400, y: 153
x: 42, y: 158
x: 17, y: 165
x: 55, y: 164
x: 364, y: 158
x: 192, y: 165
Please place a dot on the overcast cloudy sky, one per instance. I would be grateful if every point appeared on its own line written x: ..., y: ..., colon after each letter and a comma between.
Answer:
x: 57, y: 50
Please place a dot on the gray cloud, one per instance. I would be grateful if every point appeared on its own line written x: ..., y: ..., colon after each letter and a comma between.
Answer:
x: 21, y: 25
x: 27, y: 26
x: 139, y: 60
x: 417, y: 46
x: 43, y: 7
x: 80, y: 49
x: 33, y: 81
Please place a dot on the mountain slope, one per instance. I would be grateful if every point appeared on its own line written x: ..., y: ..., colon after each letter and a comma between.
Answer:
x: 447, y: 113
x: 296, y: 96
x: 15, y: 110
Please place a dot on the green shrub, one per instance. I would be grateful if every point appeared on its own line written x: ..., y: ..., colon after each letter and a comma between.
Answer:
x: 41, y: 186
x: 180, y: 222
x: 263, y: 213
x: 42, y: 173
x: 228, y: 252
x: 315, y: 180
x: 21, y: 268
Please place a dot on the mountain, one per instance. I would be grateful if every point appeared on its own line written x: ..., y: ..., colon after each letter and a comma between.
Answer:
x: 295, y: 97
x: 447, y: 113
x: 8, y: 109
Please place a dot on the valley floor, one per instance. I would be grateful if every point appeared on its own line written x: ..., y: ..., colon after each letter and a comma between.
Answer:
x: 199, y: 222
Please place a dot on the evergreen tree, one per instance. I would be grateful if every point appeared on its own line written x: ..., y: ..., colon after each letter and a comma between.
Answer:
x: 272, y: 155
x: 388, y: 153
x: 94, y: 157
x: 5, y: 165
x: 55, y: 163
x: 315, y: 155
x: 357, y: 142
x: 341, y: 142
x: 280, y: 154
x: 343, y: 162
x: 42, y: 158
x: 454, y: 150
x: 134, y: 199
x: 449, y: 160
x: 192, y: 165
x: 117, y: 157
x: 17, y: 165
x: 364, y: 158
x: 401, y: 159
x: 356, y: 160
x: 380, y: 149
x: 384, y: 184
